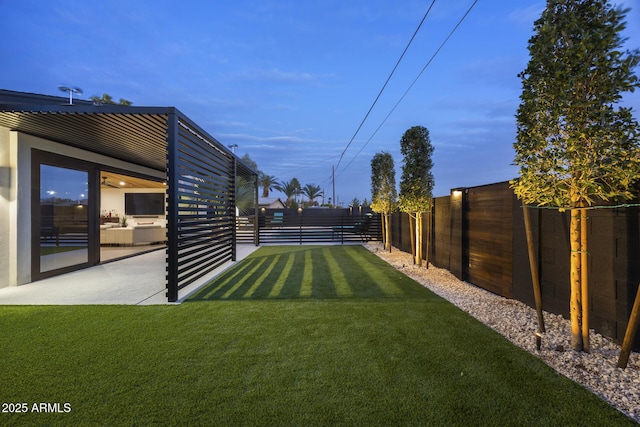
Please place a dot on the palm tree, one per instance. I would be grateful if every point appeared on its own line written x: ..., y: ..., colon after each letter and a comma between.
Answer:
x: 267, y: 182
x: 312, y: 191
x: 244, y: 195
x: 289, y: 188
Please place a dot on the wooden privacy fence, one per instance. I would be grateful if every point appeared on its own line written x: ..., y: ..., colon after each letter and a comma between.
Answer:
x: 314, y: 225
x: 478, y: 235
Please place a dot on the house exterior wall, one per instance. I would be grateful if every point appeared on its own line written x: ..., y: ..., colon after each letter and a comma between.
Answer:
x: 8, y: 205
x: 15, y: 197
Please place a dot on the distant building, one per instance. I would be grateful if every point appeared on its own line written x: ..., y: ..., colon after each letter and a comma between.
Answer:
x: 271, y: 203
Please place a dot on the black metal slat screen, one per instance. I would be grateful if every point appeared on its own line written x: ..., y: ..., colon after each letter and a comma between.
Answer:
x: 330, y: 226
x: 201, y: 206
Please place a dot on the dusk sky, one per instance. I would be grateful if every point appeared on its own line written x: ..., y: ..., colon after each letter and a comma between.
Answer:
x: 290, y: 82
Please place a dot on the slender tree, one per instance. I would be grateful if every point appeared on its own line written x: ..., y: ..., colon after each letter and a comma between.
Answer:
x: 267, y: 182
x: 416, y: 185
x: 575, y: 145
x: 384, y: 194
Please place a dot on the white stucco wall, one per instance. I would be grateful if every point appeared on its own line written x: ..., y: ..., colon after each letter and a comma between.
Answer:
x: 15, y: 197
x: 8, y: 203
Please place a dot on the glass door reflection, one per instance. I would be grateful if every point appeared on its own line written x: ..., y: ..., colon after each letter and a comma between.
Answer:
x: 64, y: 217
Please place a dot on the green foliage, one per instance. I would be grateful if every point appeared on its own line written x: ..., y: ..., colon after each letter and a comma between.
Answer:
x: 417, y: 181
x: 355, y: 202
x: 383, y: 183
x: 107, y: 99
x: 296, y: 184
x: 312, y: 191
x: 249, y: 162
x: 245, y: 194
x: 290, y: 189
x: 267, y: 182
x: 573, y: 145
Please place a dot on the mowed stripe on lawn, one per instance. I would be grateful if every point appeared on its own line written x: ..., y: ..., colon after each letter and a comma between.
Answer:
x: 310, y: 272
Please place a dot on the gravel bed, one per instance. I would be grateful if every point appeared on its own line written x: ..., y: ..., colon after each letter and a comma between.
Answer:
x: 597, y: 371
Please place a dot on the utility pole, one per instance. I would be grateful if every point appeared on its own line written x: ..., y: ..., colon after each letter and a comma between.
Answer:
x: 333, y: 183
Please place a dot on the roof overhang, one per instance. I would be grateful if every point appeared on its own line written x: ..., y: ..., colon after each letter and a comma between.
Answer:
x: 137, y: 135
x: 133, y: 134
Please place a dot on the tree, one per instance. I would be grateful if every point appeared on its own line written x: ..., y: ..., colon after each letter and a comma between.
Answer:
x: 107, y: 99
x: 267, y: 182
x: 290, y: 190
x: 312, y: 191
x: 384, y: 194
x: 295, y: 183
x: 245, y: 195
x: 416, y: 185
x: 246, y: 159
x: 355, y: 202
x: 574, y: 145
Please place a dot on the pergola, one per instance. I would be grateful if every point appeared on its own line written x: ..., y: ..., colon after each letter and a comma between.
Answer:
x: 200, y: 172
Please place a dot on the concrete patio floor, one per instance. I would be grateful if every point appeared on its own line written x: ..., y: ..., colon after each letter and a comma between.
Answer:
x: 139, y: 280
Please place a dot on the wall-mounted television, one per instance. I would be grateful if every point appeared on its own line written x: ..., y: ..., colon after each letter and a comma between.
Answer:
x: 144, y: 204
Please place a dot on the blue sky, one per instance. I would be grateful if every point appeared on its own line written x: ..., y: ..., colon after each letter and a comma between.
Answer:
x: 289, y: 82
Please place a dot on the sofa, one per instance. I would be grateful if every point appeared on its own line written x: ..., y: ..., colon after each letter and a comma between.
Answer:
x: 112, y: 234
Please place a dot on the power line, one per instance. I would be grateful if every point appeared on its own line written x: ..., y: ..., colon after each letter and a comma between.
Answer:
x: 412, y: 84
x: 385, y: 83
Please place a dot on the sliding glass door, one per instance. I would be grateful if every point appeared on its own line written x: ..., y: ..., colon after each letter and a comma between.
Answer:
x: 63, y: 210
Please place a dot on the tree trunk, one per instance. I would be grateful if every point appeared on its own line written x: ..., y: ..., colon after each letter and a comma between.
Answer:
x: 533, y: 265
x: 429, y: 227
x: 630, y: 334
x: 388, y: 231
x: 413, y: 238
x: 584, y: 279
x: 418, y: 260
x: 383, y: 218
x: 575, y: 304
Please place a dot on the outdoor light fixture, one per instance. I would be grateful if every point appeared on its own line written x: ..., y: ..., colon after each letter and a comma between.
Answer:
x: 71, y: 91
x: 456, y: 193
x: 538, y: 340
x: 262, y: 211
x: 299, y: 211
x: 233, y: 147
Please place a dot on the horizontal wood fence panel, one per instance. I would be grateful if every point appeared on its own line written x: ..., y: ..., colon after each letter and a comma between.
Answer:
x: 489, y: 235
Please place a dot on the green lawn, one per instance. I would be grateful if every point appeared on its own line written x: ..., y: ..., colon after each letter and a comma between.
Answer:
x: 290, y: 336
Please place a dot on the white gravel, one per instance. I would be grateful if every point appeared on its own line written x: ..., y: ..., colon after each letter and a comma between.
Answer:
x: 597, y: 370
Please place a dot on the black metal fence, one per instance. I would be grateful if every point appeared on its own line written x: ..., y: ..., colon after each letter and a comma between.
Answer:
x: 314, y: 225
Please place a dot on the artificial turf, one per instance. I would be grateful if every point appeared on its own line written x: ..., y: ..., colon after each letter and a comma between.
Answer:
x: 289, y: 336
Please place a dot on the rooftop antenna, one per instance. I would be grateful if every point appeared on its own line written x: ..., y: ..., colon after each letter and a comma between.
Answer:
x: 71, y: 91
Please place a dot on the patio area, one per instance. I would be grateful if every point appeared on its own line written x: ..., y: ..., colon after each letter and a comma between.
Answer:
x: 139, y: 280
